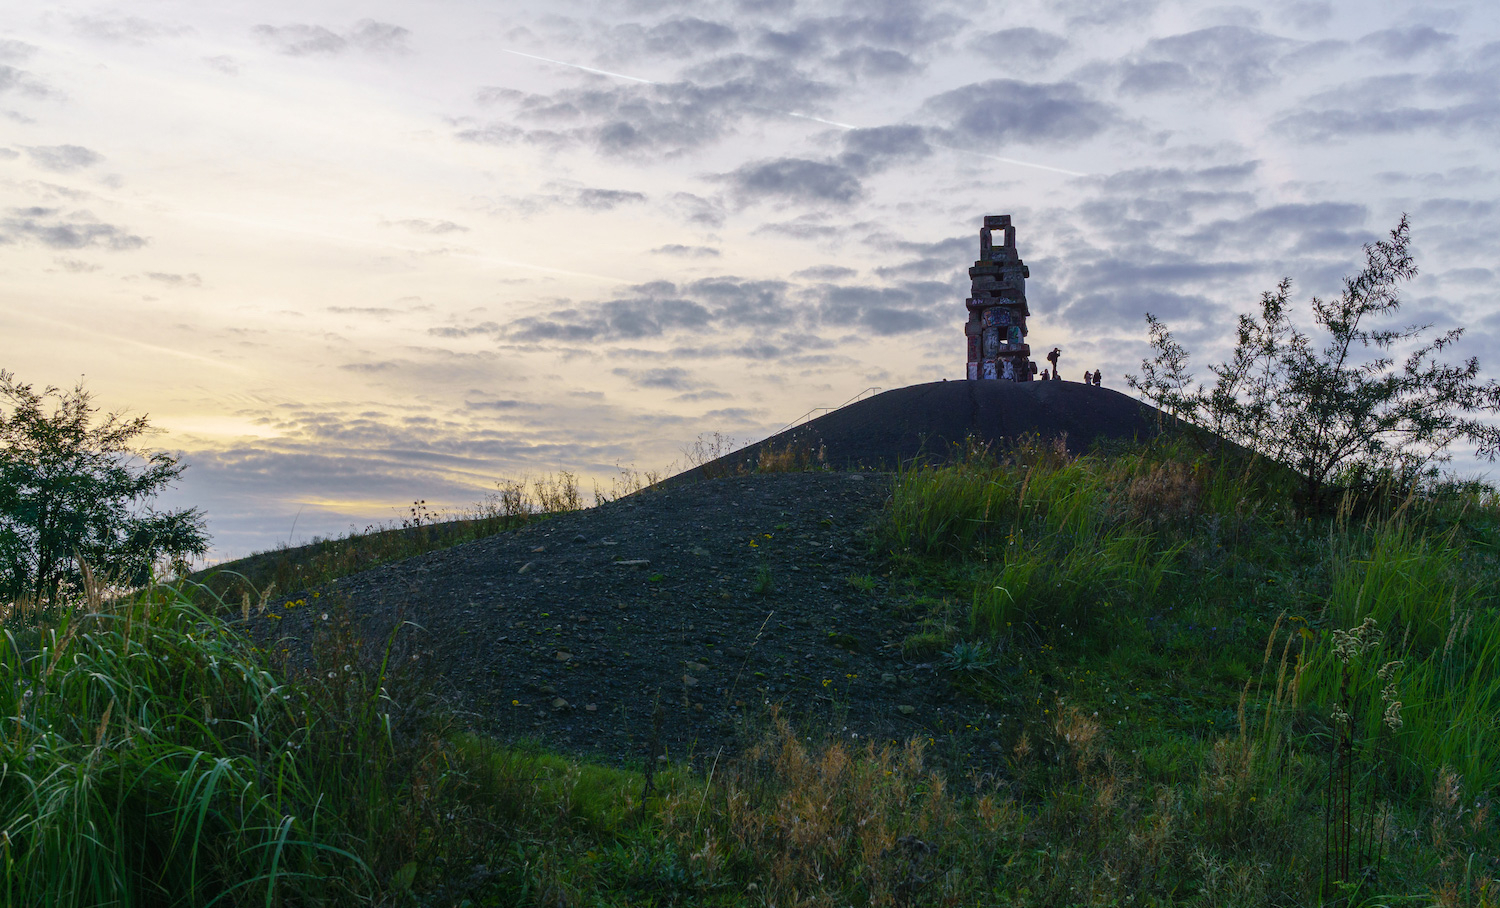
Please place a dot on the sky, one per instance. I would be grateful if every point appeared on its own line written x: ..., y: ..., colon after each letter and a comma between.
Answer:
x: 351, y: 255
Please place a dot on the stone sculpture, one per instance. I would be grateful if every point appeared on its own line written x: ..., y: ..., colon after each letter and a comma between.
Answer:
x: 996, y: 329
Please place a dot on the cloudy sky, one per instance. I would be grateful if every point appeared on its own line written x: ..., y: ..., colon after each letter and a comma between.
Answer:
x: 353, y: 254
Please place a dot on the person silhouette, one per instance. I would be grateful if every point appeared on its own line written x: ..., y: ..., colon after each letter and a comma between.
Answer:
x: 1053, y: 358
x: 1096, y: 378
x: 1088, y: 377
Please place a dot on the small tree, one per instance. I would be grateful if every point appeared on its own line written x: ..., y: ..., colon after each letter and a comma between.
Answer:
x: 1346, y: 414
x: 74, y: 492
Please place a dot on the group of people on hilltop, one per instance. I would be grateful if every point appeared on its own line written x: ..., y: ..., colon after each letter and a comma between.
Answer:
x: 1054, y: 374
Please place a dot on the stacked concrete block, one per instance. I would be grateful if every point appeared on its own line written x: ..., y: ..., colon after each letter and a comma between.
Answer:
x: 996, y: 330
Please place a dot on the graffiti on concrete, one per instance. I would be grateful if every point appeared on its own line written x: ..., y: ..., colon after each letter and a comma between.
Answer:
x: 996, y: 329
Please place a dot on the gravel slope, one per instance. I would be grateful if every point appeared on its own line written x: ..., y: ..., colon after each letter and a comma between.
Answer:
x: 713, y: 599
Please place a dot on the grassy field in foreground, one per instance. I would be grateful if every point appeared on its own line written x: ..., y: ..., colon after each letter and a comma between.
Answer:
x: 1206, y: 699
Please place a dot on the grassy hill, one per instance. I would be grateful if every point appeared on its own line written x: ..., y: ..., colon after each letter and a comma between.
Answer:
x: 1201, y: 696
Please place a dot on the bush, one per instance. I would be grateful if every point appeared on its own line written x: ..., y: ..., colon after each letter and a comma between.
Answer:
x: 1346, y: 415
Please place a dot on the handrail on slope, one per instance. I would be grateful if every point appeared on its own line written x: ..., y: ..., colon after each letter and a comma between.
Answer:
x: 804, y: 417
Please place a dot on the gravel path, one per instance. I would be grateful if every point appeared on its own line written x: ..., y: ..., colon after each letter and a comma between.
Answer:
x: 713, y: 599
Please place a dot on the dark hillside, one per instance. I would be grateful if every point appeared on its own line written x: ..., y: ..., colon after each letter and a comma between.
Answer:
x: 928, y: 420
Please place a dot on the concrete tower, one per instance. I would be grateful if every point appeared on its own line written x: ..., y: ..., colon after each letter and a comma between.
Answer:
x: 996, y: 330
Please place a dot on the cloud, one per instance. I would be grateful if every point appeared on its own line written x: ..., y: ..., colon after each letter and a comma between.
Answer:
x: 803, y: 41
x: 15, y: 79
x: 224, y: 64
x: 695, y: 209
x: 175, y: 280
x: 664, y: 308
x: 457, y: 331
x: 795, y: 180
x: 301, y: 40
x: 1461, y: 98
x: 422, y: 225
x: 875, y: 62
x: 1007, y: 110
x: 55, y: 230
x: 1148, y: 179
x: 606, y: 199
x: 1406, y: 43
x: 812, y: 226
x: 688, y: 252
x: 63, y: 158
x: 1081, y: 13
x: 1126, y: 308
x: 383, y: 313
x: 379, y: 37
x: 1226, y: 59
x: 1307, y: 13
x: 948, y: 257
x: 503, y: 405
x: 15, y: 51
x: 872, y: 150
x: 912, y: 306
x: 1019, y: 47
x: 382, y: 366
x: 125, y: 29
x: 1380, y: 92
x: 643, y: 316
x: 1332, y: 125
x: 675, y: 38
x: 672, y: 378
x: 707, y: 394
x: 656, y: 120
x: 1303, y: 227
x: 825, y: 273
x: 909, y: 26
x: 76, y: 266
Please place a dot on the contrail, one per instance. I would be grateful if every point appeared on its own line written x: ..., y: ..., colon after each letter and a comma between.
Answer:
x: 77, y: 328
x: 802, y: 116
x: 599, y: 72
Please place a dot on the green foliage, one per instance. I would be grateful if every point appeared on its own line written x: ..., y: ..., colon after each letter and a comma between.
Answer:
x: 1121, y: 599
x: 1060, y: 542
x: 150, y: 758
x: 75, y: 492
x: 1345, y: 415
x: 1433, y: 601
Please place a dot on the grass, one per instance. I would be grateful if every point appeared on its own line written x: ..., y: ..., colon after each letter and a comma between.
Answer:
x: 1151, y: 632
x: 1131, y: 590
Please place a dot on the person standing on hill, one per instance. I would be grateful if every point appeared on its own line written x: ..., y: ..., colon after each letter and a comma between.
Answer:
x: 1053, y: 358
x: 1096, y: 378
x: 1088, y: 377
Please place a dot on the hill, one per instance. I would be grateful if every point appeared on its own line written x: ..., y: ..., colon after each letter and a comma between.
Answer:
x: 928, y: 421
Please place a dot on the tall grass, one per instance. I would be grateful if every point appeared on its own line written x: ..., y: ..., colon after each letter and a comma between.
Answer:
x: 1096, y: 575
x: 150, y: 758
x: 1058, y: 541
x: 1435, y: 605
x: 153, y: 755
